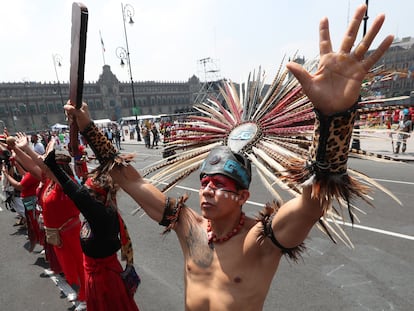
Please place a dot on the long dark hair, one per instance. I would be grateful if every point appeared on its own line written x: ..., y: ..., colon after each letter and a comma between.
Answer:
x: 63, y: 161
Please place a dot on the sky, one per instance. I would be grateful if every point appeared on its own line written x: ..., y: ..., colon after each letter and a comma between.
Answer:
x: 170, y: 38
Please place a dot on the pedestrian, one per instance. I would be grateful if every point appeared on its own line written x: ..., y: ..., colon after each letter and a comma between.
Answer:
x: 231, y: 259
x: 131, y: 132
x: 37, y: 146
x: 405, y: 127
x: 146, y: 136
x: 118, y: 138
x: 138, y: 130
x: 155, y: 136
x: 100, y: 239
x: 81, y: 166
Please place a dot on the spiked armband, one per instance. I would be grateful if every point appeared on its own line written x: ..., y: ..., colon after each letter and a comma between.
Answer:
x: 172, y: 211
x: 265, y: 217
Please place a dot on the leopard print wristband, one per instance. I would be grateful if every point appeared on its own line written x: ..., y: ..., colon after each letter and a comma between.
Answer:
x: 100, y: 145
x: 331, y: 140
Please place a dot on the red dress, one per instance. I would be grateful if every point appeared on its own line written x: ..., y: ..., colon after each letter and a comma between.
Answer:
x: 59, y: 210
x: 29, y: 185
x: 104, y: 288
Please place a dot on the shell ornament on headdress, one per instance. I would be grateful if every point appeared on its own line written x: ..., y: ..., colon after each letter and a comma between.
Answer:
x: 271, y: 125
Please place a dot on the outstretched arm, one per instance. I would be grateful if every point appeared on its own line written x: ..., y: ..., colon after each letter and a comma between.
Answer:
x: 333, y: 89
x: 150, y: 198
x: 19, y: 144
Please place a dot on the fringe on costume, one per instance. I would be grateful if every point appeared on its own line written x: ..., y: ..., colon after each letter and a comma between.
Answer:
x: 265, y: 218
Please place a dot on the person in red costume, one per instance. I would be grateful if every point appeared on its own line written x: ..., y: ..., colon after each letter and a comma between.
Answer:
x: 28, y: 186
x: 100, y: 238
x: 81, y: 168
x: 61, y: 219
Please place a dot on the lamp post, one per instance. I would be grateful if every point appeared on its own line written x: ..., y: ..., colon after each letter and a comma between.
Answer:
x: 356, y: 144
x: 123, y: 54
x: 57, y: 60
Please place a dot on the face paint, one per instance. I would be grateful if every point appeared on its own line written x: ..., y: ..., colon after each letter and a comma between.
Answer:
x: 219, y: 183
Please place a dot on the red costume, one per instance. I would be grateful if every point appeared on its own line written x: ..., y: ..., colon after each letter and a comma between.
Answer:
x: 100, y: 241
x: 104, y: 288
x: 60, y: 212
x: 28, y: 194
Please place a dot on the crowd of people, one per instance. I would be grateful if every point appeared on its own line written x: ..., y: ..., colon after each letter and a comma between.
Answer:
x: 79, y: 239
x: 230, y: 259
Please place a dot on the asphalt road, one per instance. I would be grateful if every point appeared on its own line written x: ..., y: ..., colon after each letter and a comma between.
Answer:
x: 377, y: 274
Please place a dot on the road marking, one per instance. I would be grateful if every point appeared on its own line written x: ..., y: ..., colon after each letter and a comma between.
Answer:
x: 336, y: 269
x: 356, y: 284
x: 390, y: 233
x: 395, y: 181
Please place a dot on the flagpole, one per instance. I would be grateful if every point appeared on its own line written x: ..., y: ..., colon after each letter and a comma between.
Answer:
x: 103, y: 48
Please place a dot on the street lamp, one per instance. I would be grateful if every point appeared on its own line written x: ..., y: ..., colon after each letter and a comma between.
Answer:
x: 57, y: 60
x: 356, y: 144
x: 123, y: 54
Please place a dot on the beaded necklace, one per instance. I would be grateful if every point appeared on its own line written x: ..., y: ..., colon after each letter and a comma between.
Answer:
x: 212, y: 238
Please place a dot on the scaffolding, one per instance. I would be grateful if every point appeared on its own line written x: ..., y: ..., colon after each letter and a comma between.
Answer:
x: 209, y: 87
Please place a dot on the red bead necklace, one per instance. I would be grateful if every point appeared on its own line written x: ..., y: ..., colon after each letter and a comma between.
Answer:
x: 212, y: 238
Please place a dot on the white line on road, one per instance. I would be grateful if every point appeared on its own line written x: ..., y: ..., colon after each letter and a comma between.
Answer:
x: 390, y: 233
x: 395, y: 181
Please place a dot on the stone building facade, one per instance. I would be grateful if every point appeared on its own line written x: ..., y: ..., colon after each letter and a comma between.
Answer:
x: 33, y: 106
x: 399, y: 58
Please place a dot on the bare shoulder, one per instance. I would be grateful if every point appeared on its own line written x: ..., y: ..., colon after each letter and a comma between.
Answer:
x: 189, y: 222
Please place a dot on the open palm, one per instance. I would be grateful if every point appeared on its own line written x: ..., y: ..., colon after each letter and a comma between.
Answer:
x: 335, y: 86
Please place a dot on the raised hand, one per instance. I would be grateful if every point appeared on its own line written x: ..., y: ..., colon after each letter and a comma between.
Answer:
x: 22, y: 140
x: 335, y: 86
x: 50, y: 146
x: 80, y: 116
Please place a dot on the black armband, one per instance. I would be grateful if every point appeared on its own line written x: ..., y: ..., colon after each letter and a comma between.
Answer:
x: 172, y: 211
x: 265, y: 218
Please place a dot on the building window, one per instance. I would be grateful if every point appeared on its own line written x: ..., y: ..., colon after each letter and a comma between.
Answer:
x: 59, y: 107
x: 51, y: 107
x: 42, y: 108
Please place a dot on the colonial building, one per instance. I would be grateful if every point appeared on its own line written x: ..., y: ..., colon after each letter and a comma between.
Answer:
x: 399, y: 58
x: 32, y: 106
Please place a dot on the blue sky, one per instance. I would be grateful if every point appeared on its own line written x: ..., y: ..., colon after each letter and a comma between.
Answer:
x: 170, y: 37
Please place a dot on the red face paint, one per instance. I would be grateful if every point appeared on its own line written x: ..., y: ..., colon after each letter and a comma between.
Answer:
x: 218, y: 182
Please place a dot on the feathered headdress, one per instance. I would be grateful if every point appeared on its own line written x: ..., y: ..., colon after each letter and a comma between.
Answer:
x: 272, y: 125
